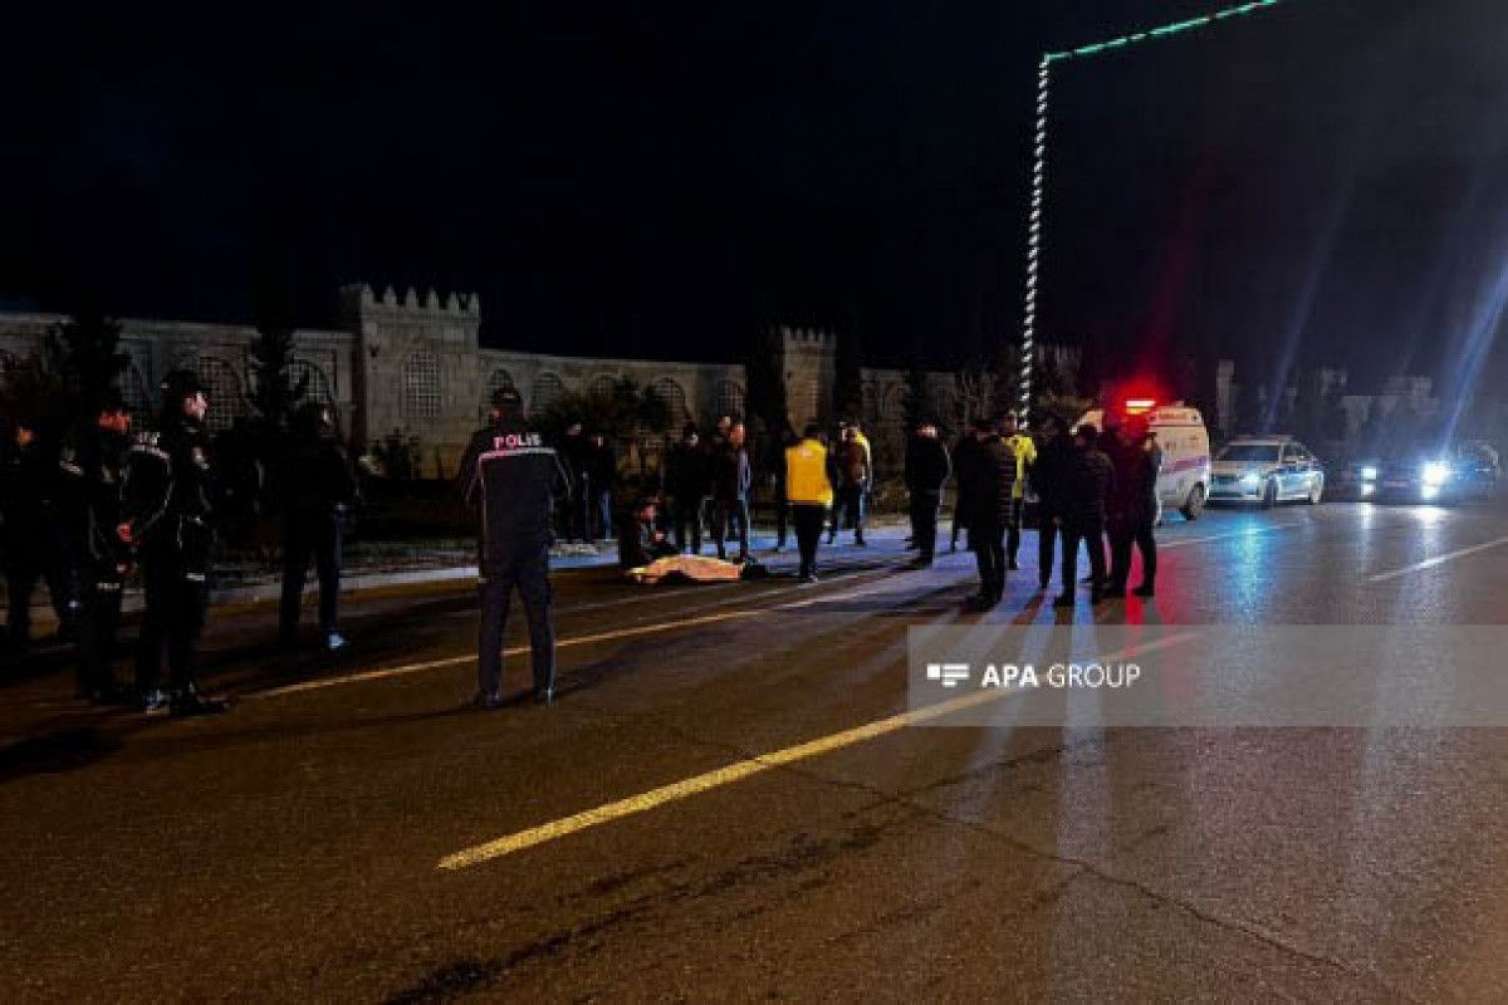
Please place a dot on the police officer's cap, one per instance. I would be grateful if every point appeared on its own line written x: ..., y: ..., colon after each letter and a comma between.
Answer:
x: 181, y: 384
x: 507, y: 399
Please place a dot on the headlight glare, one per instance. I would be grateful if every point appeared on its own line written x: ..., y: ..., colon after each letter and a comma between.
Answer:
x: 1434, y: 474
x: 1369, y: 473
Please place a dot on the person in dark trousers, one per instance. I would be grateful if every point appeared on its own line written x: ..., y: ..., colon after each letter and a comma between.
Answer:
x: 513, y: 478
x: 1133, y: 510
x: 731, y: 480
x: 602, y: 473
x: 640, y: 541
x: 966, y: 443
x: 850, y: 478
x: 91, y: 466
x: 686, y: 480
x: 810, y: 493
x: 28, y: 477
x: 1049, y: 476
x: 318, y: 489
x: 1089, y: 483
x: 171, y: 500
x: 927, y: 471
x: 575, y: 522
x: 986, y: 481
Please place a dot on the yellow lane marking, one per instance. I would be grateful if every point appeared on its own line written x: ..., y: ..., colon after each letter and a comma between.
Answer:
x: 1430, y: 563
x: 739, y: 770
x: 580, y: 640
x: 450, y: 661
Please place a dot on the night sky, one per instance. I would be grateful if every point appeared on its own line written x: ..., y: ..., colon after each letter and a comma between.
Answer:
x: 1322, y: 183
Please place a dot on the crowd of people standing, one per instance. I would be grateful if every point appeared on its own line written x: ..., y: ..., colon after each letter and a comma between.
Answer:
x: 1091, y: 486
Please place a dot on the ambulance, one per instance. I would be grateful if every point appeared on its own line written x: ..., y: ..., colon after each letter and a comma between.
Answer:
x: 1183, y: 483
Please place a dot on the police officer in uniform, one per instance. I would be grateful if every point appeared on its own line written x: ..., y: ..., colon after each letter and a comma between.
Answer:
x: 514, y: 477
x: 170, y: 503
x: 319, y: 488
x: 91, y: 465
x: 32, y: 547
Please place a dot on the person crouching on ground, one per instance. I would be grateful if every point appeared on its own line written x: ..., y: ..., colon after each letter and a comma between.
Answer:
x: 641, y: 541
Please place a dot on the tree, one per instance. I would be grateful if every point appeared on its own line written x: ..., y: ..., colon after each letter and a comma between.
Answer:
x: 85, y: 353
x: 1005, y: 371
x: 275, y: 396
x: 32, y: 390
x: 977, y: 394
x: 917, y: 404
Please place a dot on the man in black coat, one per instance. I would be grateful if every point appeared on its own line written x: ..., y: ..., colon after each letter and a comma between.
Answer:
x: 602, y: 473
x: 173, y: 498
x: 732, y: 477
x: 28, y: 477
x: 91, y: 464
x: 686, y: 480
x: 318, y: 488
x: 1133, y: 509
x: 986, y: 484
x: 1049, y: 476
x: 1088, y: 487
x: 927, y: 471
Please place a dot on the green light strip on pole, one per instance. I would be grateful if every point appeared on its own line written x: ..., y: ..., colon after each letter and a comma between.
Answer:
x: 1039, y: 162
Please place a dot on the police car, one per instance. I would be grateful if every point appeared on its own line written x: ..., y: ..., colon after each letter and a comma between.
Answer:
x: 1183, y: 482
x: 1267, y: 470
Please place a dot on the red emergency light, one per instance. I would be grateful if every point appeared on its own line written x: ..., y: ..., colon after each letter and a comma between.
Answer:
x: 1137, y: 406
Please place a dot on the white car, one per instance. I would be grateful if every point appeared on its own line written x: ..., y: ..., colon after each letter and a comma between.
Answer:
x: 1266, y: 470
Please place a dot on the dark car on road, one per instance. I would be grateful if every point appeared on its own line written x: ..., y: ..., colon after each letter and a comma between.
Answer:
x: 1469, y: 469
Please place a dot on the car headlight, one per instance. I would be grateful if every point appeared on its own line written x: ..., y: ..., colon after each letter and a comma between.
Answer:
x: 1250, y: 480
x: 1434, y: 474
x: 1369, y: 473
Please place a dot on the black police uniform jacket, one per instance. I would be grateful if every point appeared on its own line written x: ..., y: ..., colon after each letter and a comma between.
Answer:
x: 91, y: 477
x: 514, y: 478
x: 171, y: 494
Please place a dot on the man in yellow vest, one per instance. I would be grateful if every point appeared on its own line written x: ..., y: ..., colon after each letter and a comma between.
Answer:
x: 1025, y: 451
x: 809, y: 494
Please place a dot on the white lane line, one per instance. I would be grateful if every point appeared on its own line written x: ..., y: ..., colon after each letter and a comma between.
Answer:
x: 632, y: 631
x: 739, y: 770
x: 1430, y: 563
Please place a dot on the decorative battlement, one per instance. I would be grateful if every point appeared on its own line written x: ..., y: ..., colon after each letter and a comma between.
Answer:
x: 812, y: 337
x: 359, y: 298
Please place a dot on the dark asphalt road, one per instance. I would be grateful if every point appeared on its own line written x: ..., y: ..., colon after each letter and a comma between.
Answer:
x: 290, y: 850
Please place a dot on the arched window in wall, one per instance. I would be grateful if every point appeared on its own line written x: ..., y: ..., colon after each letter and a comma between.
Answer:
x: 421, y: 386
x: 226, y: 392
x: 547, y: 390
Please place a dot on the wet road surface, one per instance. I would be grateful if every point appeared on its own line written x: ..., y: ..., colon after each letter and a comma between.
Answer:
x: 313, y: 843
